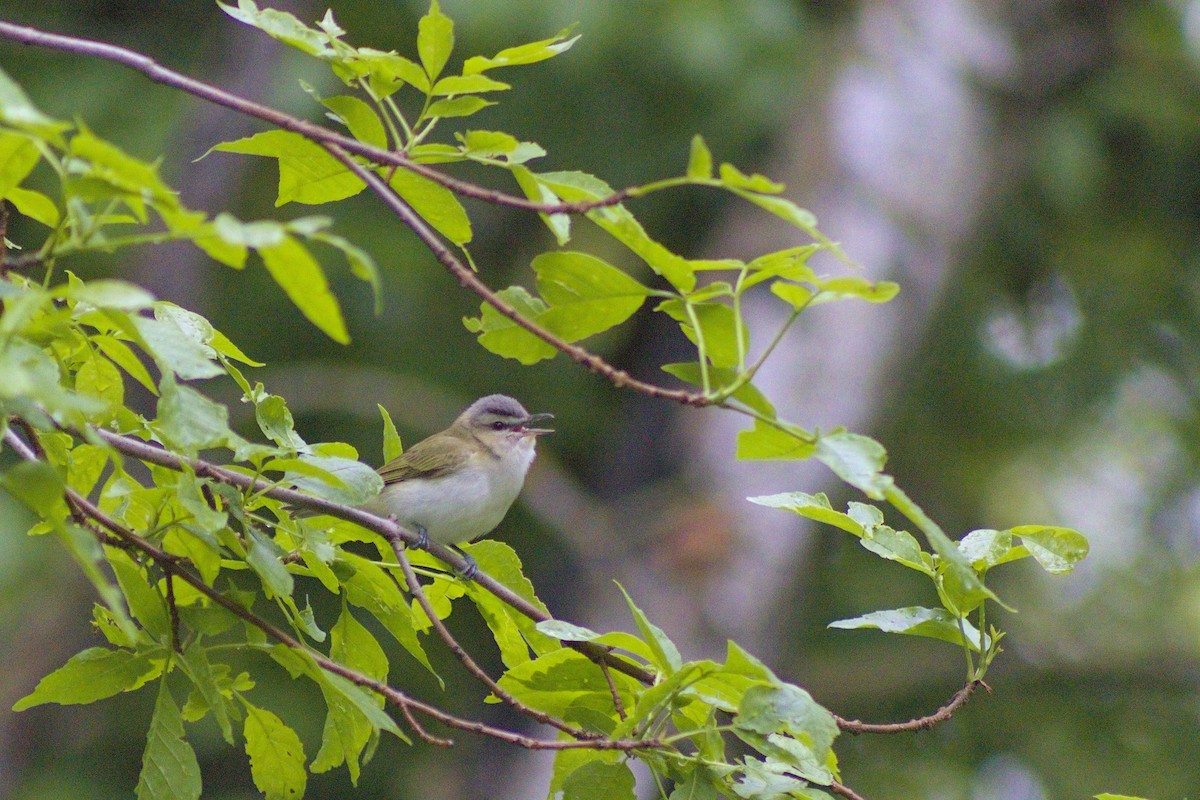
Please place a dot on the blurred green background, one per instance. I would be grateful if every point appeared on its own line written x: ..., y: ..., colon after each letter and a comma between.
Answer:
x: 1029, y: 170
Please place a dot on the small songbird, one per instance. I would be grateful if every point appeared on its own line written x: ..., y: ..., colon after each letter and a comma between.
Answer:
x: 457, y: 485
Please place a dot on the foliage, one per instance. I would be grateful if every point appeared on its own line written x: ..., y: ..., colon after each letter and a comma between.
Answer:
x: 192, y: 561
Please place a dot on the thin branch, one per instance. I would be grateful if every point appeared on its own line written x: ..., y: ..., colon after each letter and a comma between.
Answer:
x: 417, y: 591
x: 921, y: 723
x: 160, y: 74
x: 618, y: 703
x: 842, y: 790
x: 174, y: 611
x: 469, y: 280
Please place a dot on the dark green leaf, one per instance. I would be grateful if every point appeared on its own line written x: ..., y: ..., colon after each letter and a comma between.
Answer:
x: 169, y: 767
x: 597, y: 780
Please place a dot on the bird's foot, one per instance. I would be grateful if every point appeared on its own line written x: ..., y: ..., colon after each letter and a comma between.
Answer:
x: 422, y: 542
x: 468, y: 572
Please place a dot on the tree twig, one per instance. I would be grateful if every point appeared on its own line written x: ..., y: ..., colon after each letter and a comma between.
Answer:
x: 417, y: 591
x: 957, y: 701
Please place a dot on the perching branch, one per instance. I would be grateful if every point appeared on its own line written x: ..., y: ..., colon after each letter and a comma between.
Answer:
x: 160, y: 74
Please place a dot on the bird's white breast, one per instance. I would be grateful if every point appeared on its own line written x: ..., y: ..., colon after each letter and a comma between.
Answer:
x: 464, y: 505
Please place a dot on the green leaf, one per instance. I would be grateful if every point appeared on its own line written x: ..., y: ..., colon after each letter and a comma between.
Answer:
x: 307, y: 172
x: 854, y: 287
x: 621, y: 225
x: 598, y: 780
x: 934, y: 623
x: 97, y: 377
x: 774, y: 442
x: 467, y: 84
x: 856, y: 459
x: 1057, y: 550
x: 392, y: 446
x: 722, y: 378
x: 342, y: 480
x: 198, y: 668
x: 16, y: 110
x: 987, y: 548
x: 899, y: 546
x: 566, y: 631
x: 34, y: 205
x: 813, y: 506
x: 94, y: 674
x: 301, y: 278
x: 345, y: 735
x: 18, y: 157
x: 281, y: 26
x: 276, y: 755
x: 585, y: 294
x: 700, y: 784
x: 189, y: 421
x: 666, y: 655
x: 502, y: 336
x: 436, y: 204
x: 457, y: 106
x: 126, y: 359
x: 513, y: 631
x: 370, y: 588
x: 263, y: 558
x: 169, y: 767
x: 389, y: 71
x: 435, y: 40
x: 718, y: 324
x: 555, y: 681
x: 522, y: 54
x: 360, y: 118
x: 175, y: 350
x: 788, y: 709
x: 145, y: 603
x: 736, y: 179
x: 38, y: 486
x: 700, y: 163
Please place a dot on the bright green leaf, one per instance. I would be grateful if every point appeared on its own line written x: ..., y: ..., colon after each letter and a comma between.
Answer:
x: 435, y: 40
x: 362, y: 120
x: 307, y: 172
x: 392, y: 447
x: 522, y: 54
x: 700, y: 163
x: 94, y: 674
x: 436, y: 204
x: 1057, y: 550
x: 774, y: 442
x: 276, y: 755
x: 301, y: 278
x: 856, y: 459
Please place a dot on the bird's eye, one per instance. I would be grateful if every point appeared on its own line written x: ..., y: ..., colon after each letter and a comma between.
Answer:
x: 498, y: 425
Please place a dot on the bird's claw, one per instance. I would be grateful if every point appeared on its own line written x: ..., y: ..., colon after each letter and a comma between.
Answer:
x: 468, y: 572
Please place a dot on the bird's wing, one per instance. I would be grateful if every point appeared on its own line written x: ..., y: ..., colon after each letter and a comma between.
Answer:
x: 426, y: 459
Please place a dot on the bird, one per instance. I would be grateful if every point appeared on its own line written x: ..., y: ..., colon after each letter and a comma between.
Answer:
x: 457, y: 485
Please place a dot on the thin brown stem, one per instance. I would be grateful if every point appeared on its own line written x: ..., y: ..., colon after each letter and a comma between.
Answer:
x: 921, y: 723
x: 842, y: 790
x: 618, y: 703
x: 417, y: 591
x: 160, y: 74
x: 469, y: 280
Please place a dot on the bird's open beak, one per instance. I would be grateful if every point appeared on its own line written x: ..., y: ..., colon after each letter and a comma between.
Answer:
x: 532, y: 420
